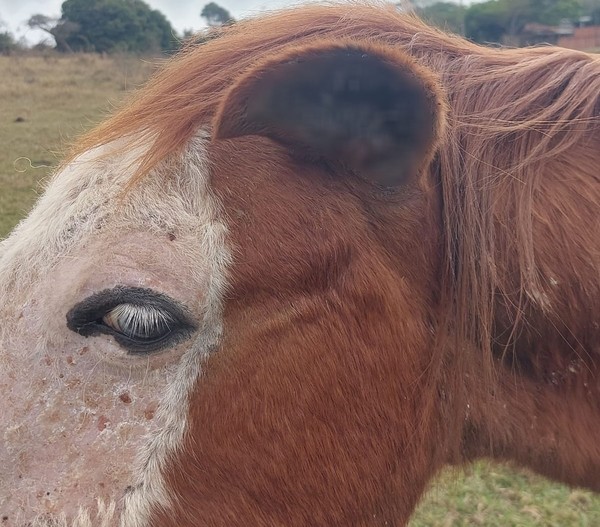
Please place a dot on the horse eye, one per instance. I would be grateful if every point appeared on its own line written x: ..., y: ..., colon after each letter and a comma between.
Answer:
x: 142, y: 323
x: 141, y: 320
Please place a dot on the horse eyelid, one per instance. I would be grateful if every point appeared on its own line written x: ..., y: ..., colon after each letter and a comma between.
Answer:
x: 87, y: 318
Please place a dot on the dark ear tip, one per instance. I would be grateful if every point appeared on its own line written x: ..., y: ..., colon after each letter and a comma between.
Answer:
x: 325, y: 97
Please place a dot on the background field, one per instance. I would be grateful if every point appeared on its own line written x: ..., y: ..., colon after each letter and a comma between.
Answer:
x: 45, y: 101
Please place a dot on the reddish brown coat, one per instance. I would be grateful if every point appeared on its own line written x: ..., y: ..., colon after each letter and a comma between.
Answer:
x: 372, y: 336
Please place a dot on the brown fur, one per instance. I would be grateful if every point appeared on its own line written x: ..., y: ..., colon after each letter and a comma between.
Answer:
x: 372, y: 337
x: 311, y: 413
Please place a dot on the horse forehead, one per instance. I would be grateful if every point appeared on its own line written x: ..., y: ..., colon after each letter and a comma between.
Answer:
x: 88, y: 205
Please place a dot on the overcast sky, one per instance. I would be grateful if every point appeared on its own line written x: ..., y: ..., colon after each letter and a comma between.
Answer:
x: 183, y: 14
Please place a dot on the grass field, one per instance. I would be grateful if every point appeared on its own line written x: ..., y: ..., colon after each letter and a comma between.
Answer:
x: 44, y: 101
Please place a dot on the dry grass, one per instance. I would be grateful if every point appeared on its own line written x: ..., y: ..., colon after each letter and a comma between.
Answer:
x: 44, y: 102
x: 58, y: 97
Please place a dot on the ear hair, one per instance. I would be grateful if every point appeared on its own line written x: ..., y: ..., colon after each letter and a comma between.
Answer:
x: 367, y: 106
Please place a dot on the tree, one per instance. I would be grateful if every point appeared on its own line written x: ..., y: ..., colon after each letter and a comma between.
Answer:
x: 591, y: 8
x: 445, y: 15
x: 215, y: 15
x: 107, y: 26
x: 485, y: 22
x: 490, y: 21
x: 7, y: 43
x: 59, y: 29
x: 117, y: 25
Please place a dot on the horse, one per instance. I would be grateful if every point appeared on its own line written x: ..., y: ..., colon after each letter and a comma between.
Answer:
x: 317, y: 258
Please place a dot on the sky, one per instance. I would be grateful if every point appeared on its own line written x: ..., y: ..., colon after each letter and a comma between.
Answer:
x: 183, y: 14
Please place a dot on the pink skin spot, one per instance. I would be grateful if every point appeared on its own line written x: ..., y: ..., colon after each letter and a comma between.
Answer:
x: 72, y: 383
x: 103, y: 422
x: 125, y: 397
x: 149, y: 412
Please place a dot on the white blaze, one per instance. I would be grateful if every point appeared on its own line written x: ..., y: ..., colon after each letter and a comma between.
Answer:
x: 80, y: 419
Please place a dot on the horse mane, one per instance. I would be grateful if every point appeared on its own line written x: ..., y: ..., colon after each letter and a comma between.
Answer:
x: 512, y: 111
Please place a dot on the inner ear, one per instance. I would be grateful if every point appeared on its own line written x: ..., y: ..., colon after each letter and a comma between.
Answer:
x: 368, y: 107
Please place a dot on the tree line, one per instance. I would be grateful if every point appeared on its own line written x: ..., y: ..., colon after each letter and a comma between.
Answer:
x: 106, y: 26
x: 492, y: 21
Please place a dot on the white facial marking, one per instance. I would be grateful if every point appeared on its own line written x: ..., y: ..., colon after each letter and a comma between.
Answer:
x: 86, y: 428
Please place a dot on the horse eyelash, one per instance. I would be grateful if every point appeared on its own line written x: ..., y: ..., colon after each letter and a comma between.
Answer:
x: 133, y: 320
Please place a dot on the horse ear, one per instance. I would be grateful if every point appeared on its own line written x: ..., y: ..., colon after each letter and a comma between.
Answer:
x: 368, y: 107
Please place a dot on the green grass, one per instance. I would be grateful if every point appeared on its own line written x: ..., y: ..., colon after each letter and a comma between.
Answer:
x: 59, y: 97
x: 493, y: 495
